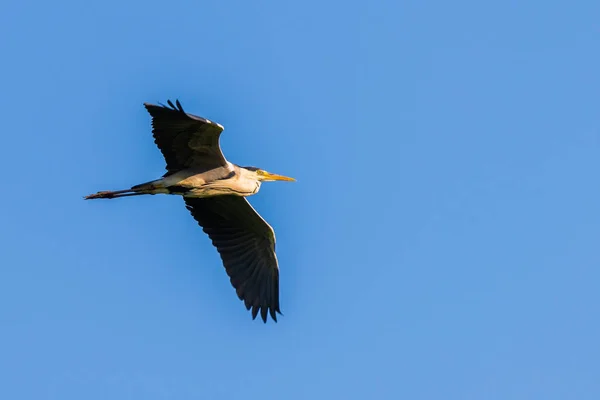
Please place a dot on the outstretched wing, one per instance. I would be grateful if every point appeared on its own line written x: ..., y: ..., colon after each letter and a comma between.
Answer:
x: 246, y: 244
x: 185, y: 140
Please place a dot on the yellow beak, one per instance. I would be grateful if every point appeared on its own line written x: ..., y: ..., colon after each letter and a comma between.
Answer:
x: 274, y: 177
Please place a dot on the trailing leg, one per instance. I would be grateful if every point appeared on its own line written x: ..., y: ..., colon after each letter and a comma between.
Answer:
x: 108, y: 194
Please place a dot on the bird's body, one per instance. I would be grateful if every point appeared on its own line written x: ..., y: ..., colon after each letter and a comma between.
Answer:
x: 215, y: 192
x: 199, y: 182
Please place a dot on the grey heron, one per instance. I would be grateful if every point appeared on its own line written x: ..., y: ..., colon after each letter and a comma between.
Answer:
x: 214, y: 191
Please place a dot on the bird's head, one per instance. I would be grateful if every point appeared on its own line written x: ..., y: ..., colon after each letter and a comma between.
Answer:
x: 264, y: 176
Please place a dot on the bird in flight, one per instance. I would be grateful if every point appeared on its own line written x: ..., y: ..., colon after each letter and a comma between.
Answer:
x: 214, y: 191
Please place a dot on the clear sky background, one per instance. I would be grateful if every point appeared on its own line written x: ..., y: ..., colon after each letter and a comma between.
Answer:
x: 441, y: 242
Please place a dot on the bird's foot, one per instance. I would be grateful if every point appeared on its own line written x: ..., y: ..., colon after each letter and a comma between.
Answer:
x: 107, y: 194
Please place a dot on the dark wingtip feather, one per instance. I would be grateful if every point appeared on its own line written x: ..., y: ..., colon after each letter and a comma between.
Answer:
x: 254, y: 311
x: 175, y: 107
x: 273, y: 314
x: 263, y: 314
x: 150, y: 106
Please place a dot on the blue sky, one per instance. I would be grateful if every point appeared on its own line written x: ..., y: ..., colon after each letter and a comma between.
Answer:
x: 441, y: 241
